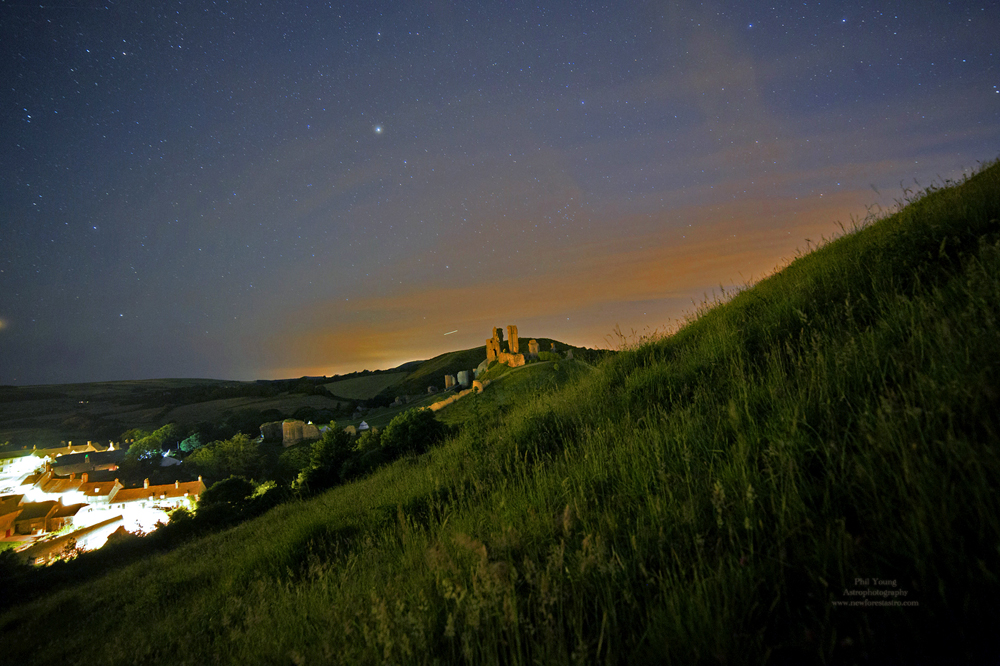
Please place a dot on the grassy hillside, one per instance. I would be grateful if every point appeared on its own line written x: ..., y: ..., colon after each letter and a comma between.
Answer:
x: 365, y: 387
x: 515, y: 389
x: 432, y: 372
x: 45, y: 415
x: 829, y: 435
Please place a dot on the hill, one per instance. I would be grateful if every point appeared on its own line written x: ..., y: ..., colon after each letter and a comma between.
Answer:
x: 806, y: 473
x: 365, y: 388
x: 45, y: 415
x: 514, y: 389
x: 381, y: 411
x: 432, y: 372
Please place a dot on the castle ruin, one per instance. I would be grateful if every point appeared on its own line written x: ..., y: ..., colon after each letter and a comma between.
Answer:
x: 495, y: 351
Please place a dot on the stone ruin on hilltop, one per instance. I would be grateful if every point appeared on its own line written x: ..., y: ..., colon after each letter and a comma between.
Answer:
x: 495, y: 351
x: 511, y: 357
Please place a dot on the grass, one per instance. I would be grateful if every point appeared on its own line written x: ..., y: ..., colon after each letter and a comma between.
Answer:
x: 381, y: 416
x: 46, y: 415
x: 365, y: 387
x: 709, y: 497
x: 432, y: 372
x: 511, y: 388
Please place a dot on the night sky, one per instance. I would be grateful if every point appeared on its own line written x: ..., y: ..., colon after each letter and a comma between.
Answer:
x: 213, y: 189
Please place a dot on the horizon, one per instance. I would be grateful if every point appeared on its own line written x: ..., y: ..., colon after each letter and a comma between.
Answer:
x: 307, y: 191
x: 390, y: 368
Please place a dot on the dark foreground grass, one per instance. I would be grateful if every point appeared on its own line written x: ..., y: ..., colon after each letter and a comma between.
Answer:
x: 828, y: 435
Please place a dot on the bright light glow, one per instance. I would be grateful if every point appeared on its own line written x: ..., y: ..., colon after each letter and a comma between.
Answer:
x: 13, y: 473
x: 97, y: 538
x: 73, y: 497
x: 135, y: 517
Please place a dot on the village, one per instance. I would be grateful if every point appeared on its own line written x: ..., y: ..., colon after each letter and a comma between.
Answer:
x: 54, y: 501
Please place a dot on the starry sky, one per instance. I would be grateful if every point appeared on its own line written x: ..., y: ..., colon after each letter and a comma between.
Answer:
x: 243, y: 191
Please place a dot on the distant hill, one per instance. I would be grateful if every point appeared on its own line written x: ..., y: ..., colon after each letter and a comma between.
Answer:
x: 366, y: 387
x: 45, y: 415
x: 432, y: 372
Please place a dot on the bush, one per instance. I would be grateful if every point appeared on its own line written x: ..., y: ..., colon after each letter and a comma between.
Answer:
x: 191, y: 443
x: 414, y: 430
x: 146, y: 451
x: 238, y: 456
x: 232, y: 493
x: 291, y: 461
x: 325, y: 463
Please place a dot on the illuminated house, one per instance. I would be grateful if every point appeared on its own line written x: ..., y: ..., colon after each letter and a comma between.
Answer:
x: 10, y: 507
x: 63, y: 516
x: 99, y: 492
x: 34, y: 517
x: 58, y: 451
x: 173, y: 494
x: 8, y: 458
x: 89, y: 461
x: 41, y: 517
x: 50, y: 483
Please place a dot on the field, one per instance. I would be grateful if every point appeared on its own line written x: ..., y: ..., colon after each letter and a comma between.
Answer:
x: 806, y: 473
x: 206, y: 411
x: 366, y: 387
x: 45, y: 415
x: 432, y: 372
x: 513, y: 390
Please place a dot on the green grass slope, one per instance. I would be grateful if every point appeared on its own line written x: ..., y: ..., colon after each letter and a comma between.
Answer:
x: 432, y: 372
x: 711, y: 497
x: 515, y: 389
x: 365, y: 387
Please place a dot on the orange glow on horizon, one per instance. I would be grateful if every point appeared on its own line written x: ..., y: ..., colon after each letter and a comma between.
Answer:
x: 667, y: 269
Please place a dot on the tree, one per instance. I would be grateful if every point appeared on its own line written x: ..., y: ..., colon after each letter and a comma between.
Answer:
x: 292, y: 461
x: 414, y: 430
x: 326, y: 461
x: 225, y: 502
x: 232, y: 493
x: 191, y: 443
x: 147, y: 449
x: 133, y: 435
x: 239, y: 456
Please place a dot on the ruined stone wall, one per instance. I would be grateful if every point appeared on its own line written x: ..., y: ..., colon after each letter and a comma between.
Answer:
x: 496, y: 352
x: 513, y: 360
x: 512, y: 337
x: 272, y: 432
x: 494, y: 346
x: 294, y: 432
